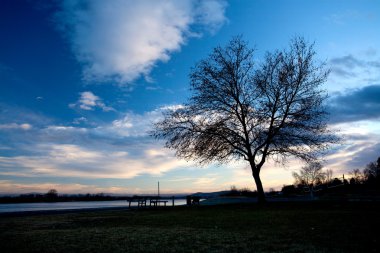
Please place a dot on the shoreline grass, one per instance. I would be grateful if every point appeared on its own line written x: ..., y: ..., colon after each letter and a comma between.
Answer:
x: 275, y: 227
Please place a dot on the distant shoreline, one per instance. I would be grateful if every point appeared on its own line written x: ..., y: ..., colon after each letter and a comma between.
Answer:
x: 63, y: 211
x: 42, y: 199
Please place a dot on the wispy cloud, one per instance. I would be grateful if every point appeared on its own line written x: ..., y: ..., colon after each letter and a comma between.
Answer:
x: 24, y: 126
x: 133, y: 124
x: 80, y: 120
x: 347, y: 16
x: 122, y: 40
x: 89, y: 101
x: 22, y: 115
x: 74, y: 161
x: 356, y: 151
x: 350, y: 70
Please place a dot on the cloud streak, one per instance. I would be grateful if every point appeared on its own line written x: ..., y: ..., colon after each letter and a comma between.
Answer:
x: 74, y: 161
x: 349, y: 16
x: 349, y: 70
x: 356, y: 105
x: 7, y: 186
x: 122, y: 40
x: 11, y: 126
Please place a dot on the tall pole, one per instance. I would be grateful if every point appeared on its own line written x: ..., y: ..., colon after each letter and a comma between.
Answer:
x: 158, y: 188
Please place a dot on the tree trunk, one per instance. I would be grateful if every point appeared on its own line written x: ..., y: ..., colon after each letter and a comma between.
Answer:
x: 259, y: 186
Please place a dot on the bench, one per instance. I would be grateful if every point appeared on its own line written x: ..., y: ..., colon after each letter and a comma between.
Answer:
x: 141, y: 202
x: 157, y: 202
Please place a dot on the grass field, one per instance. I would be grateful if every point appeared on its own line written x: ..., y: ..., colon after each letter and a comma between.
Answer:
x: 276, y: 227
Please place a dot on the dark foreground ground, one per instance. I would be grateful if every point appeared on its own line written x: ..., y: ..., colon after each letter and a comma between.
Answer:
x: 276, y: 227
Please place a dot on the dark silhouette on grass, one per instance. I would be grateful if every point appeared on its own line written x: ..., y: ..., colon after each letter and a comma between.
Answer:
x: 239, y: 111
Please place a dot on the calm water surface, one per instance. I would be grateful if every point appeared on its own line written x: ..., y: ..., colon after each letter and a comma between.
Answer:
x: 22, y: 207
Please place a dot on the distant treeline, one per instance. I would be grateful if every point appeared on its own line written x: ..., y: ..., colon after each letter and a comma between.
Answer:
x: 37, y: 197
x: 336, y: 187
x: 245, y: 192
x: 53, y: 196
x: 361, y: 183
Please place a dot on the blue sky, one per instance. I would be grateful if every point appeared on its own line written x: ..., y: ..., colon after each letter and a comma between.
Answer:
x: 82, y: 81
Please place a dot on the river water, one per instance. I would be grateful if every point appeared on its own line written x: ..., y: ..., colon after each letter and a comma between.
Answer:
x: 24, y: 207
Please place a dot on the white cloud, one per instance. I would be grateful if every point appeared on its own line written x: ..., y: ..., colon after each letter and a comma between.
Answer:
x: 68, y: 129
x: 121, y: 40
x: 211, y: 14
x: 133, y: 124
x: 89, y: 101
x: 24, y: 126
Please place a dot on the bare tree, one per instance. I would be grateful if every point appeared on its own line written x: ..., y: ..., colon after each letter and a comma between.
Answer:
x: 52, y: 194
x: 310, y: 175
x: 357, y: 176
x: 239, y: 111
x: 372, y: 171
x: 329, y: 174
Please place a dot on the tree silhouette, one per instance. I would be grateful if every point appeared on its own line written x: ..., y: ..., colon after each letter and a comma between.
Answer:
x: 310, y: 175
x: 239, y: 111
x: 357, y: 176
x: 52, y: 194
x: 372, y: 172
x: 328, y: 177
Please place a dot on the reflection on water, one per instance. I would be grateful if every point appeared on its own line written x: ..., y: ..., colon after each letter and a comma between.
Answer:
x: 22, y: 207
